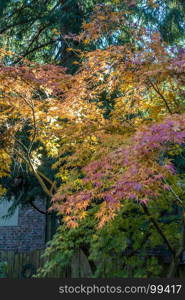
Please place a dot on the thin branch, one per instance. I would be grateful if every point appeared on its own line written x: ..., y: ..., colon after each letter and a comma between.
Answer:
x: 35, y: 49
x: 44, y: 187
x: 158, y: 229
x: 16, y: 24
x: 38, y: 209
x: 174, y: 193
x: 22, y: 145
x: 31, y: 106
x: 29, y: 162
x: 27, y: 20
x: 53, y: 187
x: 52, y: 183
x: 45, y: 177
x: 34, y: 126
x: 37, y: 35
x: 161, y: 95
x: 143, y: 242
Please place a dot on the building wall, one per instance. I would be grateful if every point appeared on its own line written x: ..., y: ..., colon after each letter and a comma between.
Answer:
x: 29, y: 234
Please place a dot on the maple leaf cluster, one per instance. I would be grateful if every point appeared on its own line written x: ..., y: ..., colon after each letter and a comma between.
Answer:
x: 135, y: 171
x: 111, y: 155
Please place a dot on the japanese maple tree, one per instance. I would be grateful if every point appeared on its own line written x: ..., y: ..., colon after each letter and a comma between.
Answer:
x: 113, y: 127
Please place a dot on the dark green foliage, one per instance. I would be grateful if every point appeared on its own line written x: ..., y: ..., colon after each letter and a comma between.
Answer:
x: 122, y: 248
x: 168, y: 18
x: 36, y: 29
x: 3, y: 5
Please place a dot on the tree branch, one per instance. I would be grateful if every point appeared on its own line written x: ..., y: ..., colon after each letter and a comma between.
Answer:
x: 29, y: 163
x: 158, y: 229
x: 161, y: 95
x: 52, y: 183
x: 38, y: 209
x: 34, y: 49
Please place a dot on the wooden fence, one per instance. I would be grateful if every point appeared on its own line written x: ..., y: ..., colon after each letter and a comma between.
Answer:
x: 20, y: 265
x: 79, y: 267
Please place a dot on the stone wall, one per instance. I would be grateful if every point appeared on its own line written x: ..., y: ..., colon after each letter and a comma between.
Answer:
x: 29, y: 234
